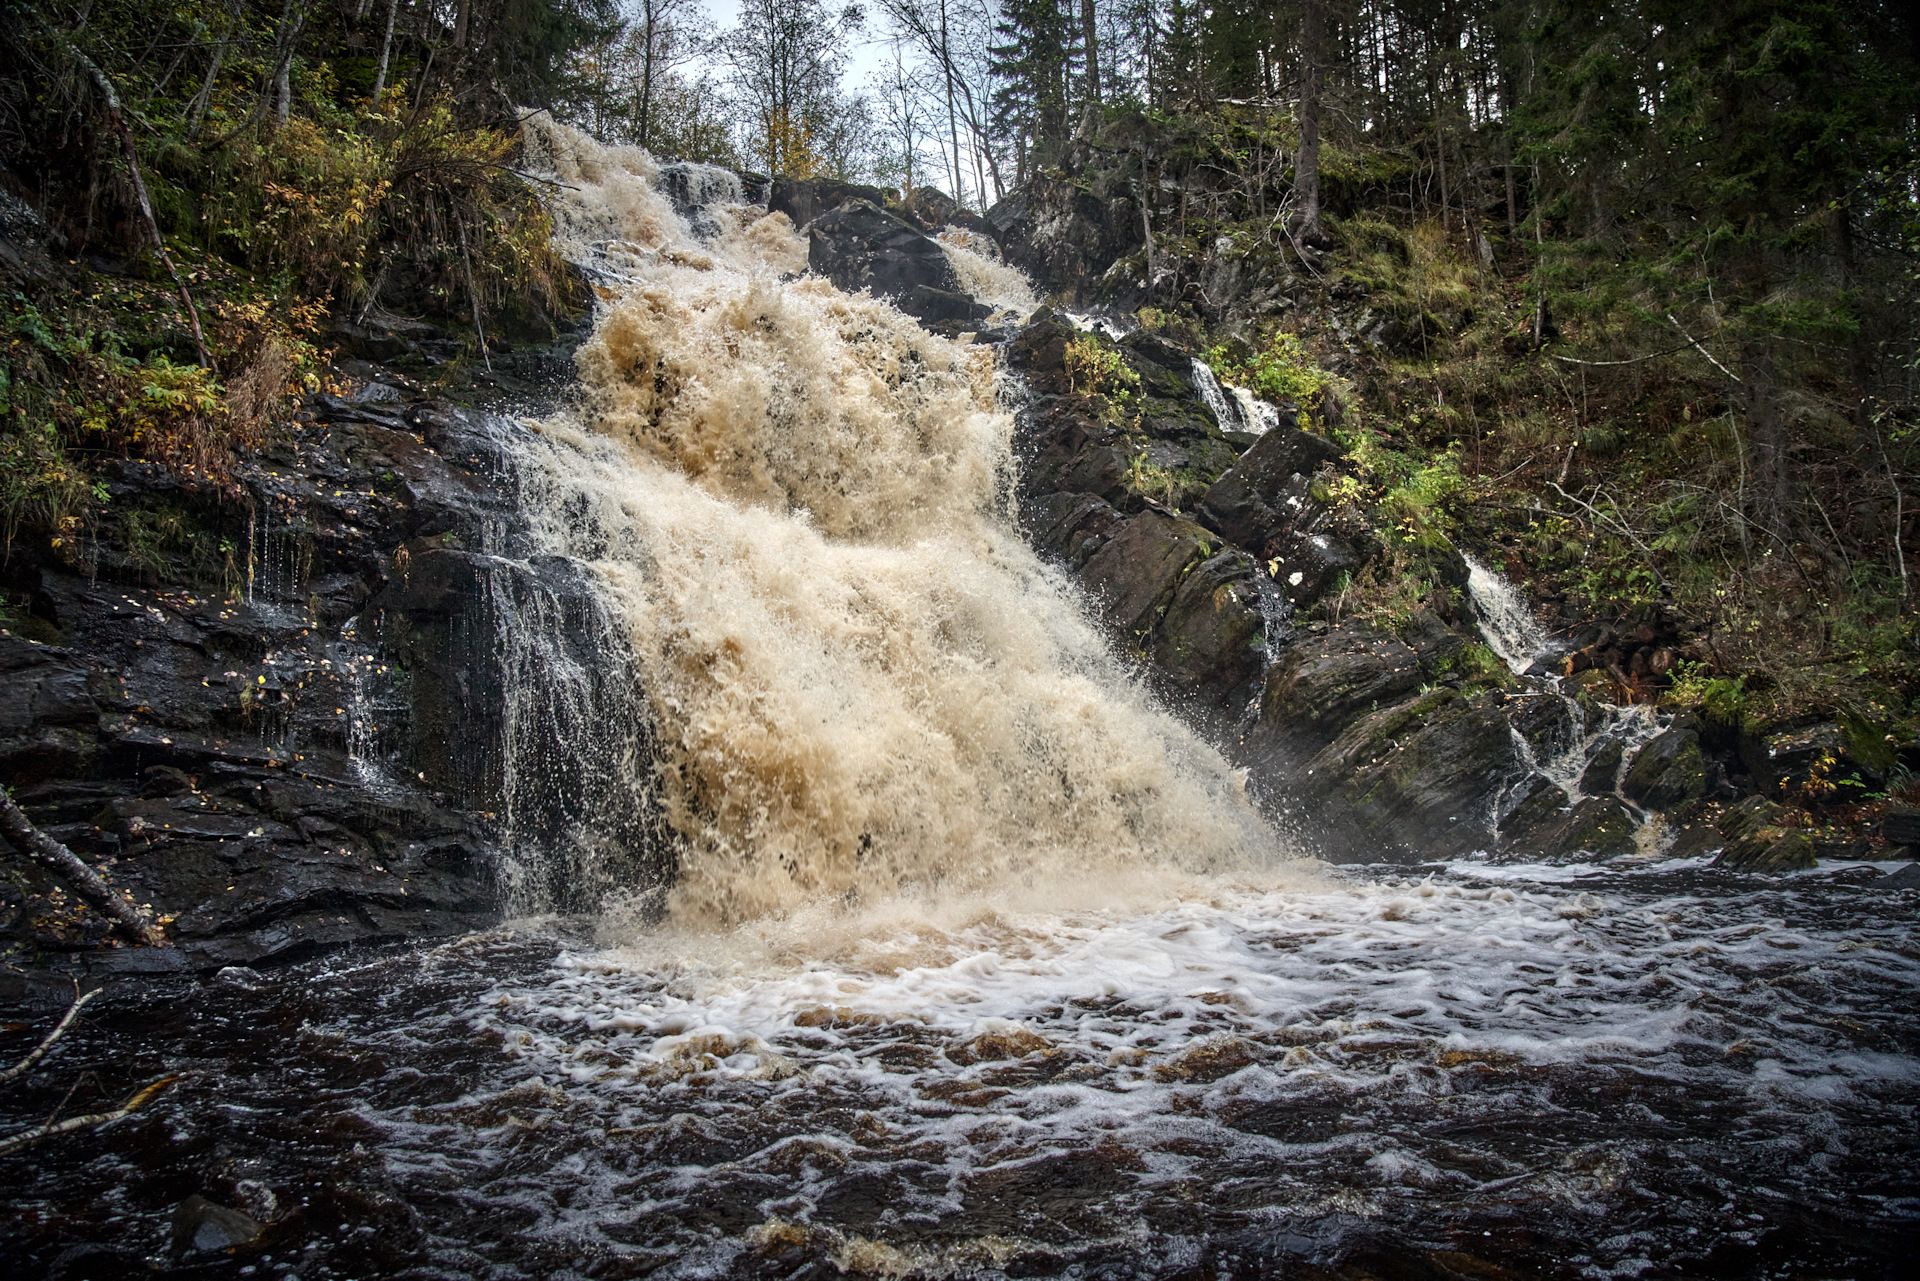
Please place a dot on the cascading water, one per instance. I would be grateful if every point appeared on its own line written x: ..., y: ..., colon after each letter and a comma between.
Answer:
x: 1242, y: 411
x: 973, y: 962
x: 862, y: 681
x: 1566, y: 759
x: 1506, y: 621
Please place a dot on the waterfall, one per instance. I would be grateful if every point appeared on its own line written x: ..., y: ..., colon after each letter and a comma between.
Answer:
x: 976, y: 261
x: 791, y: 503
x: 1225, y: 412
x: 1240, y: 411
x: 1256, y: 415
x: 1506, y: 621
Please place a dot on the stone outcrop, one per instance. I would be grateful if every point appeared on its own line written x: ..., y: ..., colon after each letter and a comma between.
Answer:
x: 858, y: 245
x: 301, y: 755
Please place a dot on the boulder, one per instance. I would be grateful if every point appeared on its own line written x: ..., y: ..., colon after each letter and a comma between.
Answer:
x: 1213, y: 635
x: 1135, y: 573
x: 1533, y: 803
x: 1315, y: 690
x: 1804, y: 759
x: 1901, y: 825
x: 1598, y: 825
x: 1306, y: 565
x: 803, y: 200
x: 1602, y: 774
x: 861, y: 246
x: 1670, y: 769
x: 1755, y: 842
x: 201, y: 1226
x: 1414, y: 782
x: 1252, y: 503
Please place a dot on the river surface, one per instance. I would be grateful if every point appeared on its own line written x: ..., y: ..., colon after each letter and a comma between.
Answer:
x: 1646, y: 1069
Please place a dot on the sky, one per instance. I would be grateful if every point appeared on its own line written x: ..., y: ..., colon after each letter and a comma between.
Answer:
x: 864, y: 59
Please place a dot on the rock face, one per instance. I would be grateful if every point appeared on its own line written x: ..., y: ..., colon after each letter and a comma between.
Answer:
x: 859, y: 245
x: 304, y: 755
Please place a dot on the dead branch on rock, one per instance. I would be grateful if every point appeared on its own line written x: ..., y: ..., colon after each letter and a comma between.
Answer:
x: 139, y: 1099
x: 26, y: 1065
x: 64, y: 863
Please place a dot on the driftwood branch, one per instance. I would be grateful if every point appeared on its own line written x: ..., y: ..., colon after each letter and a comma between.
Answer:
x: 139, y: 1099
x: 64, y: 863
x: 26, y: 1065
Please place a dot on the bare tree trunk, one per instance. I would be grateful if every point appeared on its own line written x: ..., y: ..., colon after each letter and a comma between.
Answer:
x: 953, y: 123
x: 460, y: 20
x: 1089, y: 34
x: 1306, y: 168
x: 202, y: 99
x: 283, y: 92
x: 386, y: 47
x: 118, y: 120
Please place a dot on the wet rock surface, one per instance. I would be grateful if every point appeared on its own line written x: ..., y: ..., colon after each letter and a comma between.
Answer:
x: 1204, y: 549
x: 860, y: 246
x: 272, y: 760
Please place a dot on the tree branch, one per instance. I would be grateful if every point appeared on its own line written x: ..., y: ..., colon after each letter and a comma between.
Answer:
x: 117, y: 115
x: 63, y: 862
x: 139, y: 1099
x: 1654, y: 355
x: 1693, y: 343
x: 26, y: 1065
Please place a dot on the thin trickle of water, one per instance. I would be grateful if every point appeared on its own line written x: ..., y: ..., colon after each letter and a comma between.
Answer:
x: 1506, y: 620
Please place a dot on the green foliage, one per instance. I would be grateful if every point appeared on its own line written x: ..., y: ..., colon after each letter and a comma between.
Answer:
x: 1096, y: 370
x: 1720, y: 699
x: 1281, y: 370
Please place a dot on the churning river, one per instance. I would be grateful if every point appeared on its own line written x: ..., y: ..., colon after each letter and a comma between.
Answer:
x: 977, y: 962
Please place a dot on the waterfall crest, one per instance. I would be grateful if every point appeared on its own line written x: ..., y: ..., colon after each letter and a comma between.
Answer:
x: 862, y: 681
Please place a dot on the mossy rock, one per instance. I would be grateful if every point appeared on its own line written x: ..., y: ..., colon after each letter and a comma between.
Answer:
x: 1667, y: 771
x: 1768, y: 849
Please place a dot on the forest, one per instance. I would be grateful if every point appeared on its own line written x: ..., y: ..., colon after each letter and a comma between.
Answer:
x: 1639, y: 278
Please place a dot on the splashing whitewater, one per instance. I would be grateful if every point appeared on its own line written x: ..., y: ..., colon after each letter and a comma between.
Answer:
x: 863, y: 683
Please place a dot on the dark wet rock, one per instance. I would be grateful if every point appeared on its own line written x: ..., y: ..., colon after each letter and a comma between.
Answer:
x: 1135, y: 573
x: 1066, y: 235
x: 1755, y: 842
x: 195, y: 739
x: 1670, y: 769
x: 1212, y: 636
x: 1253, y: 504
x: 1314, y: 691
x: 1600, y: 826
x: 804, y: 200
x: 1907, y: 878
x: 1804, y: 759
x: 201, y: 1226
x: 859, y: 245
x: 1602, y: 774
x: 1900, y: 825
x: 1415, y: 781
x: 47, y: 711
x: 1534, y: 803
